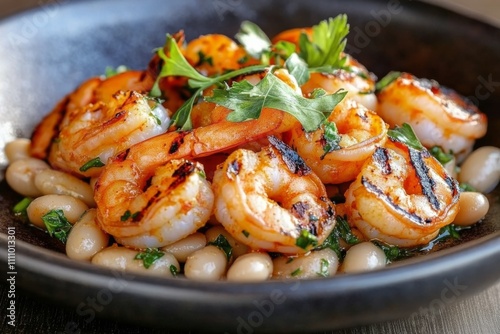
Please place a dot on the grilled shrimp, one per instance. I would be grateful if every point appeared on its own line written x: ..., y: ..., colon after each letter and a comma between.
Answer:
x: 438, y: 115
x: 402, y: 196
x: 361, y: 132
x: 267, y: 200
x: 101, y: 130
x: 124, y: 184
x: 96, y: 89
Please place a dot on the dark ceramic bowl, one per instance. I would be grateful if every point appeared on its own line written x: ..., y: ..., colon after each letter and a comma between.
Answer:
x: 47, y: 52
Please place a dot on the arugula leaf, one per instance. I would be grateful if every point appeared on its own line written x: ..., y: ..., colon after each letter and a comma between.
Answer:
x: 387, y: 80
x: 149, y: 256
x: 405, y: 135
x: 306, y: 239
x: 94, y: 163
x: 331, y: 138
x: 297, y: 67
x: 323, y: 52
x: 253, y: 39
x: 224, y: 245
x: 438, y: 153
x: 57, y: 224
x: 247, y: 101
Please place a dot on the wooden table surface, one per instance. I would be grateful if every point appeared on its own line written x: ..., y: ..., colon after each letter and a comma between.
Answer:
x: 479, y: 314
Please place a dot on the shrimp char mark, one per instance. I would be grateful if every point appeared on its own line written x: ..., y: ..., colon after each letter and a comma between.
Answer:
x: 402, y: 196
x: 272, y: 201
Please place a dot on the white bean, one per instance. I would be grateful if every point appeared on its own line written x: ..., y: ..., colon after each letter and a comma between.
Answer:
x: 473, y: 207
x: 251, y: 267
x: 18, y: 149
x: 122, y: 258
x: 364, y: 256
x: 481, y: 169
x: 72, y: 208
x: 86, y: 238
x: 20, y: 176
x: 322, y: 263
x: 206, y: 264
x: 185, y: 247
x: 238, y: 248
x: 51, y: 181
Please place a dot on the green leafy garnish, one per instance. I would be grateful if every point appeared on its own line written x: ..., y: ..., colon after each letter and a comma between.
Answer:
x: 463, y: 186
x: 149, y: 256
x: 405, y: 135
x: 247, y: 101
x: 202, y: 58
x: 296, y: 272
x: 306, y: 240
x: 222, y: 243
x: 127, y: 214
x: 20, y: 208
x: 94, y: 163
x: 245, y: 233
x: 57, y: 224
x: 323, y: 268
x: 387, y: 80
x: 449, y: 231
x: 331, y: 138
x: 438, y: 153
x: 111, y: 71
x: 323, y: 52
x: 174, y: 270
x: 297, y: 67
x: 393, y: 253
x: 342, y: 231
x: 253, y: 39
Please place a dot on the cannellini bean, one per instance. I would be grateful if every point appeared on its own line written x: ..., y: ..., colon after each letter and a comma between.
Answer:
x: 18, y: 149
x: 86, y: 238
x: 364, y: 256
x: 185, y: 247
x: 238, y: 248
x: 206, y: 264
x: 314, y: 264
x: 251, y: 267
x: 51, y: 181
x: 122, y: 258
x: 72, y: 208
x: 481, y: 169
x: 20, y: 176
x: 473, y: 207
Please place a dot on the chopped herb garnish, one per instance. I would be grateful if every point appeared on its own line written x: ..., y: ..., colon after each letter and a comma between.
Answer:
x: 306, y: 240
x: 296, y: 272
x: 387, y: 80
x: 111, y: 71
x: 289, y: 260
x: 149, y: 256
x: 202, y: 58
x: 127, y: 214
x: 94, y: 163
x: 20, y: 208
x: 393, y: 253
x: 297, y: 67
x: 342, y: 231
x: 405, y: 135
x: 245, y: 233
x: 450, y: 230
x: 466, y: 187
x: 323, y: 268
x: 222, y: 243
x: 174, y: 270
x: 438, y: 153
x: 331, y: 138
x: 57, y: 224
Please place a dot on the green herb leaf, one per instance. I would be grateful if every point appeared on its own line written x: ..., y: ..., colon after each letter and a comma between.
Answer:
x: 94, y: 163
x: 405, y: 135
x: 342, y: 231
x: 306, y: 240
x: 450, y: 230
x: 202, y: 58
x: 324, y: 51
x: 284, y: 49
x: 345, y: 231
x: 297, y: 68
x: 438, y: 153
x: 57, y: 224
x: 296, y: 272
x: 20, y: 208
x: 247, y: 101
x: 149, y: 256
x: 387, y: 80
x: 245, y: 233
x: 323, y: 268
x: 111, y: 71
x: 331, y: 138
x: 174, y: 270
x: 222, y: 243
x: 253, y: 39
x: 466, y: 187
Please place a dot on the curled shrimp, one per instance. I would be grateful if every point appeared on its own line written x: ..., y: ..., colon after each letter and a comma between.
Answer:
x: 361, y: 132
x: 101, y: 130
x: 438, y: 115
x: 123, y: 185
x: 267, y: 199
x: 402, y: 196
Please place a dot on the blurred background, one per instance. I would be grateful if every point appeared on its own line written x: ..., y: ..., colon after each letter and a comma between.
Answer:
x: 488, y: 10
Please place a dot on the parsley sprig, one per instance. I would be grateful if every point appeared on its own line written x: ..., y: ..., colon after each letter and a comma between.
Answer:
x: 57, y: 224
